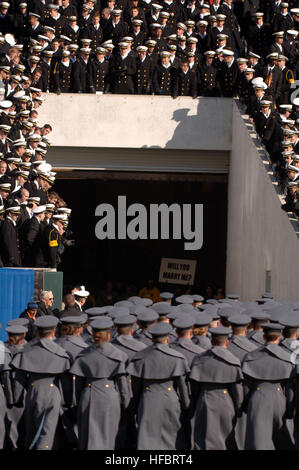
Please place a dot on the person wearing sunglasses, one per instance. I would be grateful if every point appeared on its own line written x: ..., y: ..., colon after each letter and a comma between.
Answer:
x: 45, y: 303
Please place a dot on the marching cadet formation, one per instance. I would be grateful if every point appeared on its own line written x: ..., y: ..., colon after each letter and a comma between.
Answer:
x: 135, y: 375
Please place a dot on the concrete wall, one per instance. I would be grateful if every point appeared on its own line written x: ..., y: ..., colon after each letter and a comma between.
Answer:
x: 260, y: 235
x: 123, y: 121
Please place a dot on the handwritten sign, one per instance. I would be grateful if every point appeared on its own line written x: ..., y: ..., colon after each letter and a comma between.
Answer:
x: 177, y: 271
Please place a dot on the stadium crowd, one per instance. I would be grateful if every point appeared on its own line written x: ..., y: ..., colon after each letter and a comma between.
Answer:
x: 246, y: 49
x: 179, y: 373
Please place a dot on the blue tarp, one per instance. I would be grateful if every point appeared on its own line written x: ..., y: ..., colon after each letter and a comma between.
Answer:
x: 16, y: 290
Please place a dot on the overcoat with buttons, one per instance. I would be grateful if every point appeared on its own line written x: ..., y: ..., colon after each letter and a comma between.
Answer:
x: 122, y: 73
x: 143, y: 76
x: 239, y: 346
x: 208, y: 80
x: 164, y: 80
x: 160, y: 393
x: 98, y: 75
x: 15, y: 431
x: 269, y: 372
x: 101, y: 389
x: 39, y: 366
x: 62, y: 77
x: 228, y: 78
x: 217, y: 391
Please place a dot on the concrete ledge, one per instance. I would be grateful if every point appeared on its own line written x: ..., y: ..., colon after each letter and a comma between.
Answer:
x: 137, y: 121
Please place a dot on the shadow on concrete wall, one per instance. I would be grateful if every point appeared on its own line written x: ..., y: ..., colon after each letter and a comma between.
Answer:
x: 184, y: 122
x: 185, y: 125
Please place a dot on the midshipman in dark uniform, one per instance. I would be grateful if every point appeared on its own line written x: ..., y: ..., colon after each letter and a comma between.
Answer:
x: 102, y: 389
x: 268, y: 373
x: 216, y: 380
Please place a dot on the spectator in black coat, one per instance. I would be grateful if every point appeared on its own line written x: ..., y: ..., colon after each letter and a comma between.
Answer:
x: 45, y: 303
x: 79, y: 71
x: 164, y: 76
x: 185, y: 82
x: 123, y: 69
x: 265, y: 123
x: 9, y: 242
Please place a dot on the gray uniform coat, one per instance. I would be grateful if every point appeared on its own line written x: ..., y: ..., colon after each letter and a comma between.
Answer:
x: 189, y: 350
x: 73, y: 345
x: 144, y: 336
x: 218, y: 393
x: 239, y: 346
x: 39, y: 366
x: 87, y: 335
x: 202, y: 341
x: 128, y: 345
x: 256, y: 336
x: 6, y: 393
x: 128, y: 427
x: 160, y: 393
x: 268, y: 371
x: 101, y: 390
x: 15, y: 431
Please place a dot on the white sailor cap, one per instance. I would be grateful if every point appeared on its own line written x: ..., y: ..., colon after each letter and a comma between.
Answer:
x: 40, y: 209
x: 82, y: 292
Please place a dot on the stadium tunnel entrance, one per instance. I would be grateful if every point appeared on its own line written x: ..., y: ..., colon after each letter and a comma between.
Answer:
x: 131, y: 263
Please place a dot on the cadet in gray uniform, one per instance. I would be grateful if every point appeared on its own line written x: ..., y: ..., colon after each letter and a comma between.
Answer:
x: 130, y: 346
x: 185, y: 346
x: 269, y: 373
x: 226, y: 312
x: 6, y: 392
x: 113, y: 314
x: 160, y: 390
x: 95, y: 312
x: 257, y: 335
x: 201, y: 329
x: 216, y: 381
x: 86, y: 334
x: 163, y: 309
x: 183, y: 343
x: 172, y: 337
x: 239, y: 346
x: 15, y: 432
x: 145, y: 320
x: 167, y: 297
x: 70, y: 340
x: 101, y: 389
x: 16, y: 339
x: 289, y: 341
x: 39, y: 366
x: 213, y: 311
x: 124, y: 340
